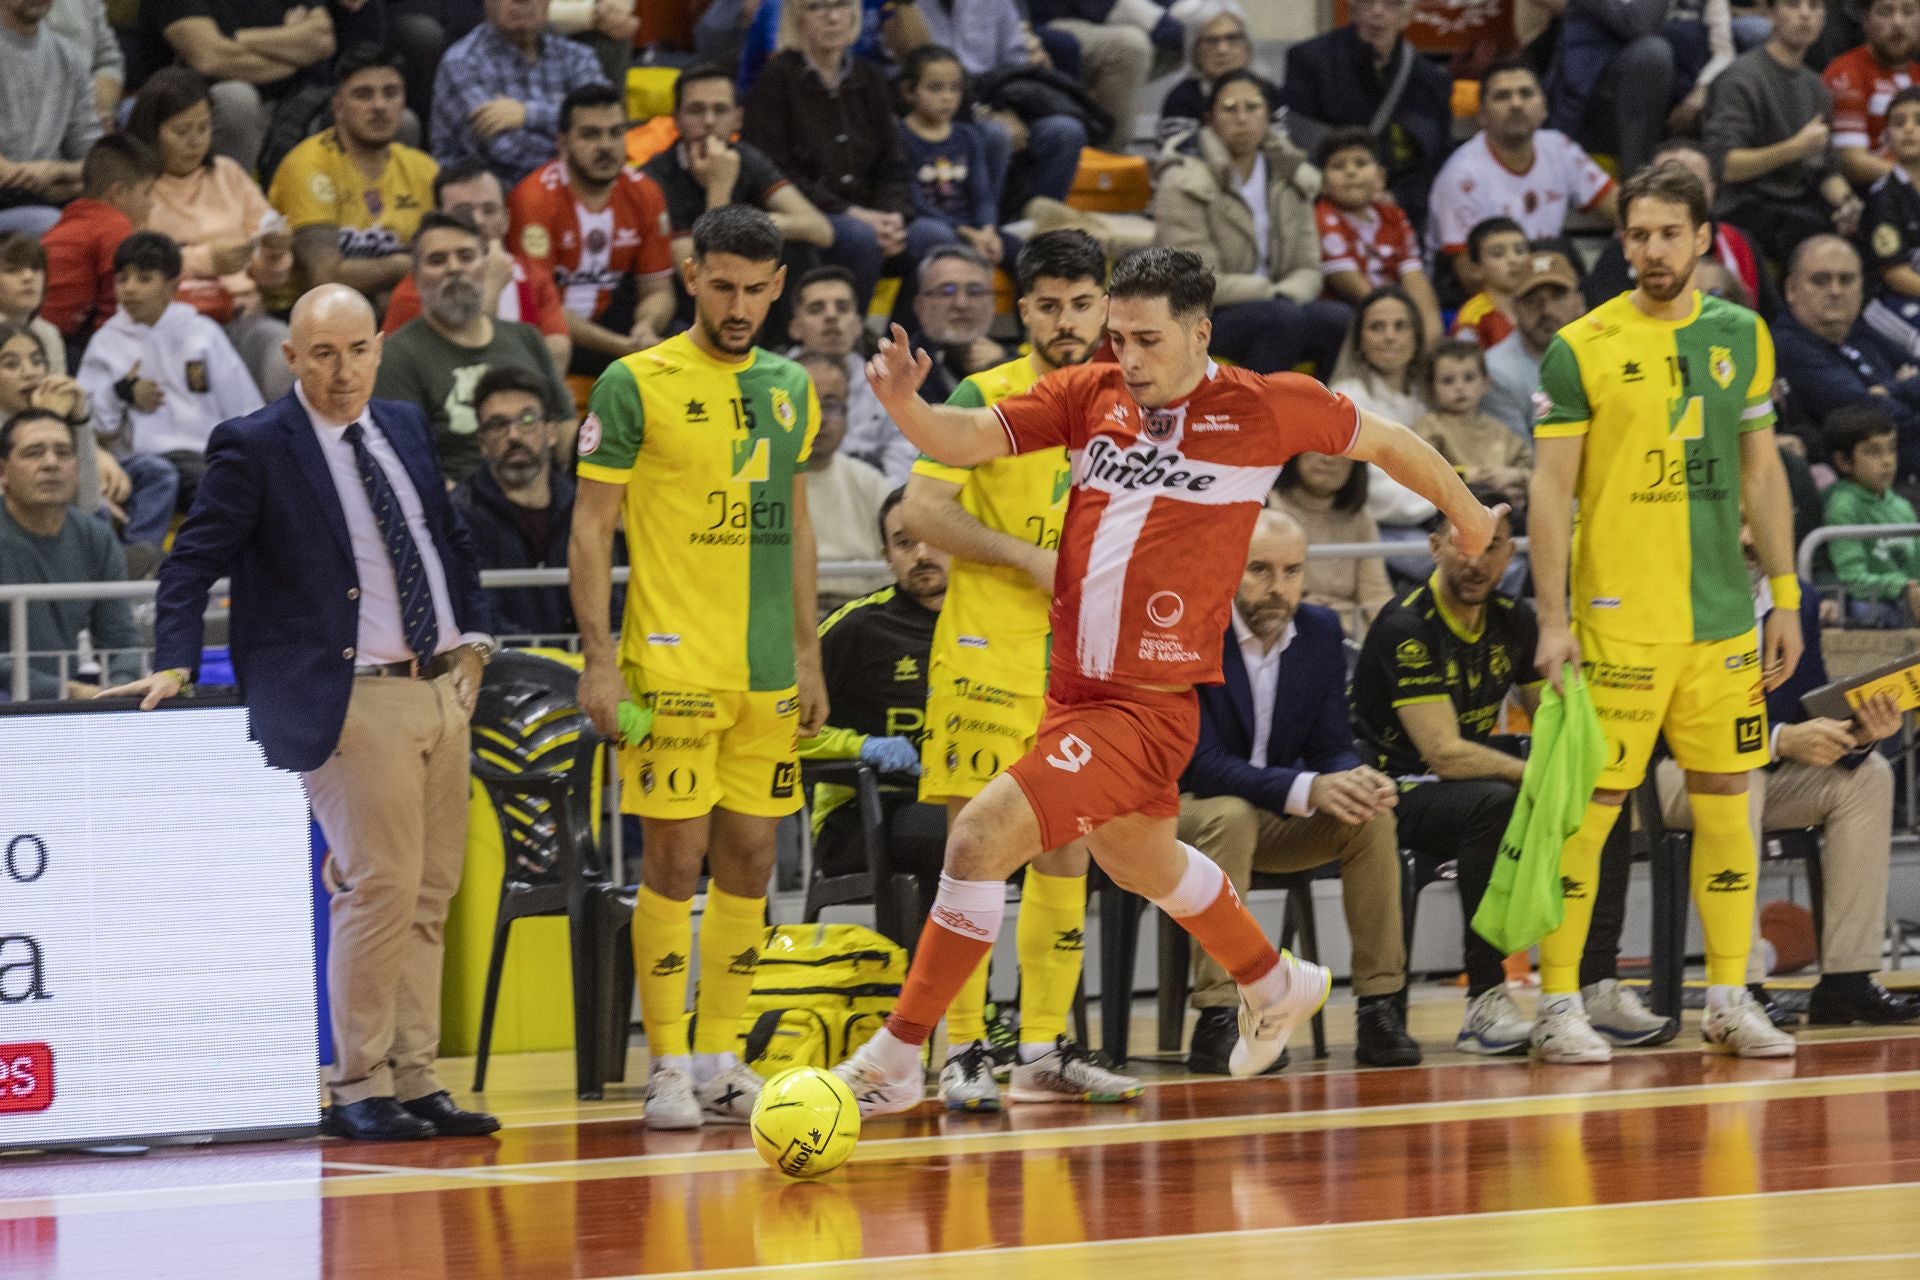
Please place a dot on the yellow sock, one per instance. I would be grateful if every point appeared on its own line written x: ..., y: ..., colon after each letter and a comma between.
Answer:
x: 1053, y: 915
x: 1579, y: 880
x: 1724, y: 863
x: 731, y: 932
x: 967, y: 1015
x: 662, y: 942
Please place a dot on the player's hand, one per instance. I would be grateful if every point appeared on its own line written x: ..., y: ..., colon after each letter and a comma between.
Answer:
x: 891, y: 755
x: 151, y: 690
x: 1353, y: 796
x: 1557, y: 648
x: 1876, y: 719
x: 1819, y: 742
x: 1473, y: 532
x: 1041, y: 567
x: 500, y: 115
x: 897, y: 370
x: 1780, y: 645
x: 600, y: 690
x: 812, y: 688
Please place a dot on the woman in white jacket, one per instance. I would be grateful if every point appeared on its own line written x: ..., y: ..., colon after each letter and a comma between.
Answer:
x: 1379, y: 369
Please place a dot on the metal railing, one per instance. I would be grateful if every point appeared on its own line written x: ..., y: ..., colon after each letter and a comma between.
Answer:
x: 1843, y: 532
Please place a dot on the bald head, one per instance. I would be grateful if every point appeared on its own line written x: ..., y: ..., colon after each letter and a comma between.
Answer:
x: 1275, y: 576
x: 333, y: 348
x: 1824, y: 286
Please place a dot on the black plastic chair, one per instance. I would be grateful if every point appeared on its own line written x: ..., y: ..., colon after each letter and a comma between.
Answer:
x: 535, y: 752
x: 895, y: 895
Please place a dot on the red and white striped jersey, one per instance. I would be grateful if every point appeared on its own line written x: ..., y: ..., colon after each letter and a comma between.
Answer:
x: 1163, y: 506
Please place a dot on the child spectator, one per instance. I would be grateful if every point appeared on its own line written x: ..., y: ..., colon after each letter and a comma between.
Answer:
x: 1328, y: 496
x: 947, y: 157
x: 1881, y: 576
x: 1486, y: 453
x: 1367, y: 242
x: 1890, y: 226
x: 1497, y: 247
x: 117, y: 177
x: 23, y: 288
x: 161, y: 376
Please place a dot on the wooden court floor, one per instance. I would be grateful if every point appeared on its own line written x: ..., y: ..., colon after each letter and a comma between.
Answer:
x: 1666, y: 1163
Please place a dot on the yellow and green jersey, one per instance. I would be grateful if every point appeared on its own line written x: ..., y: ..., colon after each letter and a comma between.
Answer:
x: 708, y: 451
x: 994, y: 622
x: 1663, y: 404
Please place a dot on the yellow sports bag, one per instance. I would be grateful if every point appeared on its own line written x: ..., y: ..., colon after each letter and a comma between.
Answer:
x: 820, y: 991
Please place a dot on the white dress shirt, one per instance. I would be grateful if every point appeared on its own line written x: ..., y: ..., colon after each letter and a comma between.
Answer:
x: 1263, y: 674
x: 382, y: 638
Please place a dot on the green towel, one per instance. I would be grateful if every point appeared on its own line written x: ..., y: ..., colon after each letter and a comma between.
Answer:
x: 636, y: 722
x: 1522, y: 904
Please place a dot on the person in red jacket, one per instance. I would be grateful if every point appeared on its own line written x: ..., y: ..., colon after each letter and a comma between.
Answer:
x: 117, y: 179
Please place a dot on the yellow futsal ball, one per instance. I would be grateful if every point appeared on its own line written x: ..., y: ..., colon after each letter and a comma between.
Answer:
x: 806, y: 1122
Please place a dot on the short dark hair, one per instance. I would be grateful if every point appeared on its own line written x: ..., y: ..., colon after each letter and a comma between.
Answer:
x: 694, y: 75
x: 1060, y: 255
x: 117, y: 160
x: 1670, y: 182
x: 1680, y: 142
x: 887, y: 504
x: 588, y: 96
x: 1487, y: 228
x: 20, y: 419
x: 18, y: 249
x: 916, y: 63
x: 1160, y: 272
x: 739, y: 230
x: 367, y: 56
x: 1347, y: 138
x: 460, y: 171
x: 167, y: 92
x: 508, y: 377
x: 438, y: 220
x: 1846, y: 429
x: 1352, y: 495
x: 1454, y: 349
x: 1227, y: 81
x: 1505, y: 66
x: 1910, y: 94
x: 148, y: 251
x: 830, y: 273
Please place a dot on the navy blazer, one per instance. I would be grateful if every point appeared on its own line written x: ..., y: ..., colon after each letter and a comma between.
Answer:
x: 1783, y: 704
x: 1311, y: 728
x: 267, y: 515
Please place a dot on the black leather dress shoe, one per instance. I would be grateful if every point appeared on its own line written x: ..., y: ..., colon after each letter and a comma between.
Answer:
x: 1214, y: 1036
x: 374, y: 1120
x: 438, y: 1110
x: 1778, y: 1014
x: 1381, y: 1039
x: 1840, y: 1004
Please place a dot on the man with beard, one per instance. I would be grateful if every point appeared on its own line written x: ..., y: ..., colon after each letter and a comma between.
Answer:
x: 701, y: 443
x: 827, y: 322
x: 846, y: 492
x: 437, y: 359
x: 1001, y: 523
x: 352, y: 196
x: 602, y: 229
x: 1658, y: 418
x: 954, y: 307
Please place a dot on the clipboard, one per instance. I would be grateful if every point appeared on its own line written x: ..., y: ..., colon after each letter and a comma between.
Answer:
x: 1837, y: 701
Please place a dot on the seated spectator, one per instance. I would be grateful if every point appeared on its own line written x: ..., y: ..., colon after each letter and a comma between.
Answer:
x: 1118, y: 41
x: 605, y: 26
x: 1275, y: 786
x: 600, y: 229
x: 843, y: 494
x: 1881, y: 575
x: 27, y: 382
x: 233, y: 244
x: 954, y: 309
x: 1890, y: 230
x: 436, y: 360
x: 1767, y: 134
x: 519, y: 289
x: 518, y: 506
x: 1244, y: 204
x: 47, y: 118
x: 352, y: 195
x: 1831, y: 358
x: 826, y: 322
x: 1863, y: 82
x: 1497, y: 250
x: 1547, y: 300
x: 118, y: 182
x: 84, y: 22
x: 254, y: 52
x: 1327, y: 496
x: 1513, y: 166
x: 161, y: 377
x: 946, y: 157
x: 1365, y: 71
x: 1217, y: 42
x: 42, y: 539
x: 1487, y: 454
x: 497, y: 93
x: 1434, y: 671
x: 23, y: 288
x: 1366, y: 242
x: 421, y: 30
x: 1379, y: 370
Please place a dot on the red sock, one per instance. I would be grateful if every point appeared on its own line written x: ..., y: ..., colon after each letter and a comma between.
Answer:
x: 941, y: 965
x: 1227, y: 931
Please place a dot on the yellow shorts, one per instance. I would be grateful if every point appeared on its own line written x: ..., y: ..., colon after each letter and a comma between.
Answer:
x: 710, y: 749
x: 974, y: 731
x: 1707, y: 698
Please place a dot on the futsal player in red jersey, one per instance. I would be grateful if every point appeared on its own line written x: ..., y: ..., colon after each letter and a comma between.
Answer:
x: 1172, y: 458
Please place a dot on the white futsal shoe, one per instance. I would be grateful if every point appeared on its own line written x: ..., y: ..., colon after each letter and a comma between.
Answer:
x: 1068, y: 1073
x: 966, y: 1082
x: 671, y: 1103
x: 1741, y: 1028
x: 728, y: 1098
x: 1264, y: 1031
x: 1563, y: 1036
x: 1494, y: 1025
x: 1616, y: 1012
x: 879, y: 1092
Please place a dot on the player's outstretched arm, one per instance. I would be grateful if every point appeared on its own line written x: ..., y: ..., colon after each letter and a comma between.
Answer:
x: 1418, y: 465
x: 933, y: 512
x: 596, y: 514
x: 1769, y: 507
x: 957, y: 437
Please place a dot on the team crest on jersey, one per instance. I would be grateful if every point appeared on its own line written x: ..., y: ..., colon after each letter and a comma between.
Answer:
x: 783, y: 412
x: 1542, y: 406
x: 322, y: 188
x: 1411, y: 653
x: 1720, y: 364
x: 589, y: 434
x: 1160, y: 424
x: 535, y: 242
x: 1886, y: 240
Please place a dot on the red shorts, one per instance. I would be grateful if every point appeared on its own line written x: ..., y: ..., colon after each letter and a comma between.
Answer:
x: 1105, y: 751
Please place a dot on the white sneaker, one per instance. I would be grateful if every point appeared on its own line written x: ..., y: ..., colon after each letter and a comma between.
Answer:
x: 670, y: 1100
x: 966, y: 1082
x: 1616, y: 1012
x: 1741, y: 1028
x: 1562, y: 1034
x: 728, y: 1098
x: 1068, y: 1073
x: 1264, y: 1032
x: 1493, y: 1025
x: 878, y: 1093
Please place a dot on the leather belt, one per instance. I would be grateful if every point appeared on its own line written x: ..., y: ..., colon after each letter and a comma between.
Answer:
x: 412, y: 669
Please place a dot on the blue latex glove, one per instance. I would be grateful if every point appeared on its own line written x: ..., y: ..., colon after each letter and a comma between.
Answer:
x: 891, y: 755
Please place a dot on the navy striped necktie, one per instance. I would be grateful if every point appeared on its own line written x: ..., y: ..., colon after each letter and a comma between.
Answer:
x: 417, y: 613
